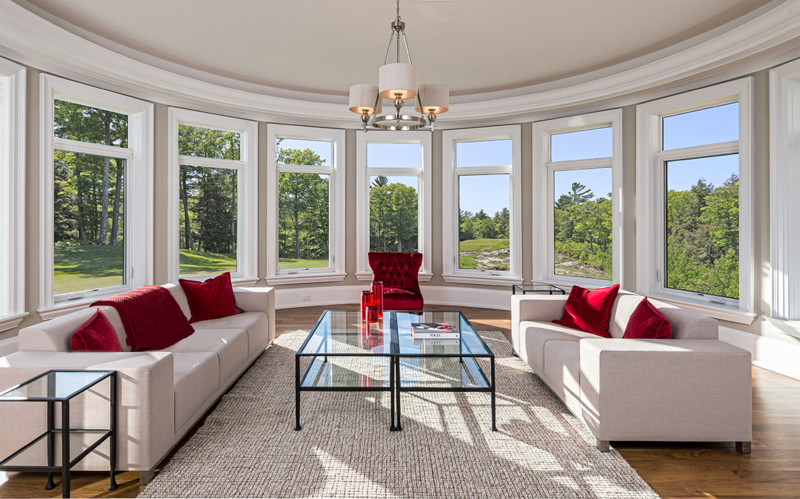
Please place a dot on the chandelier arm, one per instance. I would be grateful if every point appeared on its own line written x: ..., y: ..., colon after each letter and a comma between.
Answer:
x: 408, y: 53
x: 389, y: 49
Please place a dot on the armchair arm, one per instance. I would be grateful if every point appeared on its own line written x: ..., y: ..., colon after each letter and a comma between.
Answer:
x: 666, y: 390
x: 257, y: 300
x: 540, y: 308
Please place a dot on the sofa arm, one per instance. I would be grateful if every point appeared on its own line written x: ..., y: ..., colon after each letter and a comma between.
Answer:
x: 257, y: 300
x: 145, y: 410
x: 53, y: 335
x: 666, y: 390
x: 537, y: 307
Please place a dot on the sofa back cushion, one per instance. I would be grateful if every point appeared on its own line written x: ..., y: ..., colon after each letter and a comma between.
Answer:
x: 686, y: 325
x: 180, y: 297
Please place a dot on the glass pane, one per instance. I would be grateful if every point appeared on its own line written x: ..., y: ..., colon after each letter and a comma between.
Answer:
x: 89, y: 124
x: 304, y: 222
x: 304, y: 152
x: 88, y: 222
x: 584, y: 144
x: 36, y: 455
x: 469, y: 344
x: 208, y: 220
x: 393, y: 213
x: 54, y: 385
x: 484, y: 153
x: 582, y: 224
x: 703, y: 225
x: 209, y: 143
x: 342, y: 332
x: 483, y: 221
x: 394, y: 155
x: 706, y: 126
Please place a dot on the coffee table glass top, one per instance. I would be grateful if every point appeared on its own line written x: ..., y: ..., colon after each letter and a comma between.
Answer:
x: 54, y: 385
x: 469, y: 344
x: 342, y: 332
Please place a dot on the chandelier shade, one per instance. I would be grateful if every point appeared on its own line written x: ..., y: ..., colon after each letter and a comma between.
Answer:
x: 398, y: 78
x: 363, y: 98
x: 434, y: 98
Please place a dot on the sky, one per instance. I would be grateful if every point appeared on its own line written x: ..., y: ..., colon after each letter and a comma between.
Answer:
x: 323, y: 148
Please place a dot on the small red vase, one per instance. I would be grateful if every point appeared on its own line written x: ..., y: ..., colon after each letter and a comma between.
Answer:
x: 377, y: 297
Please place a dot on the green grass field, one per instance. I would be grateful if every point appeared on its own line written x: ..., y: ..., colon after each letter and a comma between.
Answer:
x: 480, y: 256
x: 294, y: 263
x: 204, y: 263
x: 79, y: 268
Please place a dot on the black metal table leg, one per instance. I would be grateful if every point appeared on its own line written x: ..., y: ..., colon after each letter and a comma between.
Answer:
x: 494, y: 427
x: 296, y: 393
x: 397, y: 390
x: 392, y: 388
x: 51, y: 443
x: 65, y: 448
x: 113, y: 446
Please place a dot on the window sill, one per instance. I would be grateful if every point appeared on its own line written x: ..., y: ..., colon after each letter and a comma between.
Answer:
x: 421, y: 277
x: 722, y: 313
x: 245, y: 282
x: 792, y: 328
x: 584, y: 282
x: 305, y: 278
x: 11, y: 321
x: 67, y: 307
x: 486, y: 280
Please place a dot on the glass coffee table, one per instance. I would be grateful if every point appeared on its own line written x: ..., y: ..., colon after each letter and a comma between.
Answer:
x: 348, y: 354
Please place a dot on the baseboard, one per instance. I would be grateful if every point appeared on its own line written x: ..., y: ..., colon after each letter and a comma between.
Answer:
x: 498, y: 299
x: 771, y: 354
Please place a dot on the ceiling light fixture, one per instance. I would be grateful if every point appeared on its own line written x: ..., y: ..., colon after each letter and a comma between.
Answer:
x: 398, y: 81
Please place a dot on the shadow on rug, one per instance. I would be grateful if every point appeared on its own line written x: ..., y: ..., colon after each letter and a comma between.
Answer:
x: 248, y: 447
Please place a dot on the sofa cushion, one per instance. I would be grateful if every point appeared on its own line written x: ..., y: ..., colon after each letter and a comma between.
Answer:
x: 562, y: 366
x: 210, y: 299
x: 534, y: 336
x: 647, y: 322
x: 230, y: 345
x: 96, y: 335
x: 180, y: 297
x: 256, y: 324
x: 196, y: 381
x: 589, y: 309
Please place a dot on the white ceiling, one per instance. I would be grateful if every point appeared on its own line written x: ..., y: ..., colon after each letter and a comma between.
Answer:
x: 324, y: 46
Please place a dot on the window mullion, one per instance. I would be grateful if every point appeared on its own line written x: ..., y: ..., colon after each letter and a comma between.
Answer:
x: 76, y: 146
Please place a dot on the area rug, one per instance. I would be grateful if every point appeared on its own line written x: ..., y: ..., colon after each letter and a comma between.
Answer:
x: 247, y: 446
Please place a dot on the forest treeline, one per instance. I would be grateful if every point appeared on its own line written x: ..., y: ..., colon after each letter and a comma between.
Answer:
x: 393, y: 216
x: 582, y: 226
x: 481, y: 226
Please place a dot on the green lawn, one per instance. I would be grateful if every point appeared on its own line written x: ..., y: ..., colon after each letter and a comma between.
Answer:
x: 79, y: 268
x: 479, y: 254
x: 204, y: 263
x: 294, y: 263
x: 482, y: 245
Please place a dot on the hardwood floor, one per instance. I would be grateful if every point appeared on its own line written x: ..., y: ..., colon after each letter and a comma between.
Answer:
x: 673, y: 470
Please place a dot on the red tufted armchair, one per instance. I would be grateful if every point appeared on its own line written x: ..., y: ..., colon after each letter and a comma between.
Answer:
x: 398, y: 272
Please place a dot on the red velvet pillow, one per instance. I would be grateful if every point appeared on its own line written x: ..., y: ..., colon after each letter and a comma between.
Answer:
x: 96, y: 335
x: 648, y: 322
x: 210, y: 299
x: 589, y: 310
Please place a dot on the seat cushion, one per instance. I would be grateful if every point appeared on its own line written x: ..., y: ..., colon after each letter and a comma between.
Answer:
x: 255, y: 323
x: 534, y: 335
x: 230, y: 345
x: 402, y: 301
x: 196, y: 381
x: 562, y: 366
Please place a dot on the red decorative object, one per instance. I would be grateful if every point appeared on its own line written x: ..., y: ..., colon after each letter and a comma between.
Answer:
x: 377, y: 297
x: 366, y: 301
x: 96, y: 335
x: 399, y: 273
x: 648, y: 322
x: 210, y: 299
x: 589, y: 310
x: 152, y: 318
x: 373, y: 315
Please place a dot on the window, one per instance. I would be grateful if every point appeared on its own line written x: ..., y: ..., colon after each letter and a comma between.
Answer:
x: 213, y: 188
x: 576, y: 171
x: 306, y: 205
x: 481, y: 205
x: 394, y: 197
x: 694, y: 231
x: 12, y: 194
x: 96, y: 165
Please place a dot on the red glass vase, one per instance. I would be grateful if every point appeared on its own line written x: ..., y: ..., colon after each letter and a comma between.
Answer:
x: 373, y: 315
x: 366, y: 301
x: 377, y: 297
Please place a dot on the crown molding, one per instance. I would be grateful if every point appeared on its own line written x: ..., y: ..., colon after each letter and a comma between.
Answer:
x: 771, y: 38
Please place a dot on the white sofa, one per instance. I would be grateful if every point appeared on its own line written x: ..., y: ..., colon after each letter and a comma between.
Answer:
x: 162, y: 394
x: 691, y: 388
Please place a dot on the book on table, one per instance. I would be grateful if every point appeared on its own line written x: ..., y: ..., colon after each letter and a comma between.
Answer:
x: 434, y: 331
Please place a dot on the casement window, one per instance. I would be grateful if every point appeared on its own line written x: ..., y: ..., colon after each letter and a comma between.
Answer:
x: 306, y: 196
x: 213, y: 197
x: 694, y: 195
x: 481, y: 205
x: 12, y: 194
x: 96, y: 194
x: 577, y: 169
x: 394, y: 197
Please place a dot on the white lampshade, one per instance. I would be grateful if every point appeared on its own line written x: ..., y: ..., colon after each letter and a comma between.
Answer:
x: 398, y: 78
x: 435, y: 98
x: 363, y: 97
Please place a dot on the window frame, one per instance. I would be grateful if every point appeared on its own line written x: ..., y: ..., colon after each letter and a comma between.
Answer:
x: 247, y: 188
x: 450, y: 208
x: 336, y: 258
x: 12, y: 194
x: 363, y: 271
x: 544, y: 184
x: 138, y: 188
x: 651, y: 210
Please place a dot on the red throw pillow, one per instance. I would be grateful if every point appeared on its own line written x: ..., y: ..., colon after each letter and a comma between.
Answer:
x: 210, y: 299
x: 648, y: 322
x: 96, y: 335
x: 589, y: 310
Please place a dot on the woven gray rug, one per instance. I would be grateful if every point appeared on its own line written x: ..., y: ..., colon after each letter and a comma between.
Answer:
x: 247, y: 446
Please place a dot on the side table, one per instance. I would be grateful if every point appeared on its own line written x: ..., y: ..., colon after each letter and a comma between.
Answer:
x: 62, y: 386
x: 536, y: 288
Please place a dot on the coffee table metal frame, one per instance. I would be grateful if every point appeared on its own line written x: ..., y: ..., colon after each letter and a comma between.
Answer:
x: 395, y: 379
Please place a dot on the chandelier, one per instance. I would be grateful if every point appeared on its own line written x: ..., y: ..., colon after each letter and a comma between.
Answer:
x: 398, y: 81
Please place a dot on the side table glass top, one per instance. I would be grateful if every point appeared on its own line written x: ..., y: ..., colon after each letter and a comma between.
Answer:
x: 538, y: 288
x: 54, y: 385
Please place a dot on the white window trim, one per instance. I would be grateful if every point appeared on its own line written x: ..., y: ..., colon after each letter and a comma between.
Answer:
x: 12, y: 194
x: 650, y: 233
x: 336, y: 270
x: 450, y: 226
x: 543, y: 196
x: 247, y: 185
x: 139, y: 187
x: 363, y: 271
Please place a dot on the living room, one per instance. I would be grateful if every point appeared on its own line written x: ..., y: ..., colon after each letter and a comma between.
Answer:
x: 251, y: 251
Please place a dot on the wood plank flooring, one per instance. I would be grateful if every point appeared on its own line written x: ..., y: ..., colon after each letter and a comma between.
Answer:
x: 673, y: 470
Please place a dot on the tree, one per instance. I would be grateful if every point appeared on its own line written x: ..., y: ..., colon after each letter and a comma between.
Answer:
x: 303, y: 205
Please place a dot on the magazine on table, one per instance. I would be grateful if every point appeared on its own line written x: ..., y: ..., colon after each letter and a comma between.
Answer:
x: 434, y: 331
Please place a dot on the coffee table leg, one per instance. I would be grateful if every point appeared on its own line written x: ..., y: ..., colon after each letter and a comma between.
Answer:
x: 392, y: 388
x: 296, y: 393
x: 397, y: 390
x: 113, y: 447
x: 65, y: 448
x: 494, y: 427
